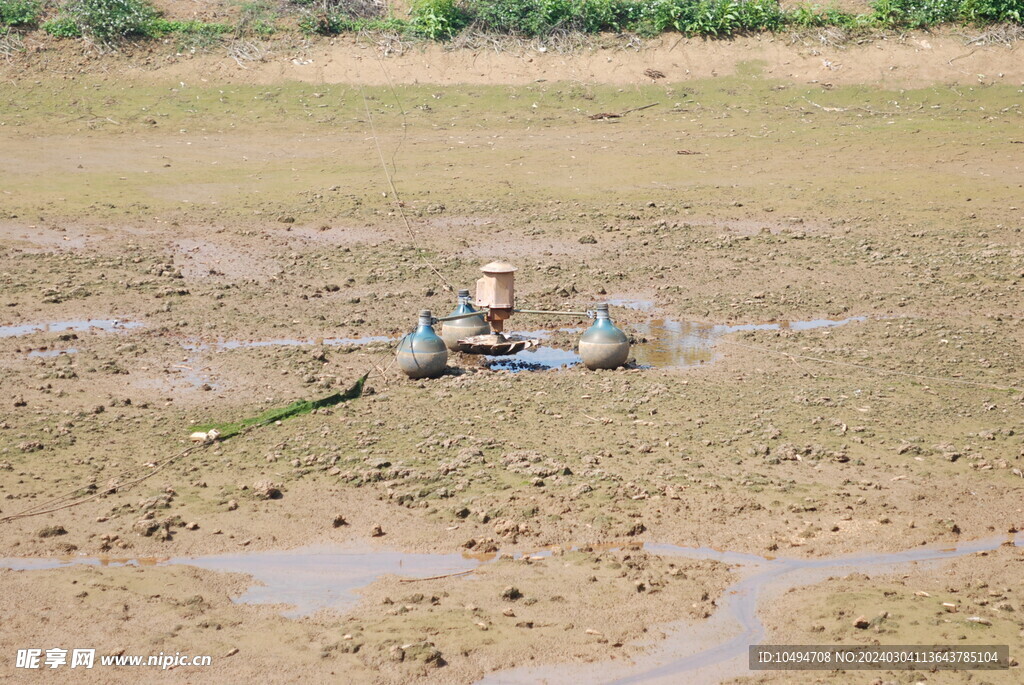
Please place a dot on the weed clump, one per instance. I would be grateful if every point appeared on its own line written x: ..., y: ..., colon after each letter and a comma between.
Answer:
x: 63, y: 27
x: 257, y: 18
x: 109, y: 21
x: 331, y: 17
x: 437, y: 19
x: 20, y: 12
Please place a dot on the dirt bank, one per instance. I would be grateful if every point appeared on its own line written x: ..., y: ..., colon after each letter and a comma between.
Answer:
x: 950, y: 56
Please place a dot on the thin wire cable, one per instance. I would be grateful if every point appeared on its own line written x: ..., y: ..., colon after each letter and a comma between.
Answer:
x: 401, y: 108
x: 396, y: 198
x: 66, y: 500
x: 394, y: 164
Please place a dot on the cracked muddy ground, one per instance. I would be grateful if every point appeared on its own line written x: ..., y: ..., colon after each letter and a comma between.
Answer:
x: 179, y: 252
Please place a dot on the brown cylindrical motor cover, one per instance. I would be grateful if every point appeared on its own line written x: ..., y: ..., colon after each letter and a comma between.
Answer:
x: 496, y: 290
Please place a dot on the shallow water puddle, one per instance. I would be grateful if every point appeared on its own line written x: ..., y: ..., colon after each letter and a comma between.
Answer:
x: 674, y: 344
x: 82, y: 325
x: 52, y: 353
x: 539, y: 358
x: 668, y: 344
x: 313, y: 578
x: 716, y: 649
x: 308, y: 579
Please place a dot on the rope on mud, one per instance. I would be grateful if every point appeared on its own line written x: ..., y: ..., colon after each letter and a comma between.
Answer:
x: 235, y: 428
x: 66, y: 501
x: 397, y: 201
x: 227, y: 430
x: 875, y: 369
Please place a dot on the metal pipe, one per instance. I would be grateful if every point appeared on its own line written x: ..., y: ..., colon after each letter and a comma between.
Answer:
x: 541, y: 311
x: 456, y: 317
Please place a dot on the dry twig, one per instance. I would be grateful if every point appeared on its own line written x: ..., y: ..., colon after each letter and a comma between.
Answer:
x: 447, y: 575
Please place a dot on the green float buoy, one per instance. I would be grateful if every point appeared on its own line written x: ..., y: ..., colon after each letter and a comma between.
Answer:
x: 460, y: 329
x: 422, y: 353
x: 603, y: 345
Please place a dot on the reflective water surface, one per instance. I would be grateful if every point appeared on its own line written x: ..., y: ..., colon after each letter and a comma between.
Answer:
x: 667, y: 344
x: 313, y: 578
x: 81, y: 326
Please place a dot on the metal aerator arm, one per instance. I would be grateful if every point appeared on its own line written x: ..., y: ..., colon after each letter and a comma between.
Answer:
x: 590, y: 314
x: 456, y: 317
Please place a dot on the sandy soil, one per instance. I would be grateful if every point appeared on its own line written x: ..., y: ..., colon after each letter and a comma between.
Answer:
x: 211, y: 203
x: 974, y: 600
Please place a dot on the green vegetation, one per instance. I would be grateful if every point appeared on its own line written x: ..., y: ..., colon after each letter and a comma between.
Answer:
x: 109, y: 21
x: 924, y: 13
x: 437, y: 19
x: 160, y: 26
x: 112, y: 20
x: 233, y: 428
x: 333, y: 23
x: 19, y: 12
x: 442, y: 19
x: 712, y: 17
x: 192, y: 35
x: 720, y: 18
x: 993, y: 11
x: 915, y: 13
x: 63, y: 27
x: 257, y: 18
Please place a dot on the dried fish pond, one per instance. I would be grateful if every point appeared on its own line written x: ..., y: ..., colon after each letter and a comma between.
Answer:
x: 817, y: 268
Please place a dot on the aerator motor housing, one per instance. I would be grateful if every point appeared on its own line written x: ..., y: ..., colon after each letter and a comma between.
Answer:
x: 424, y: 354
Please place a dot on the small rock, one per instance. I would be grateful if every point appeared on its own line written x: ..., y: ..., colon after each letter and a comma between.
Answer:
x: 637, y: 529
x: 339, y: 521
x: 376, y: 532
x: 861, y: 623
x: 265, y: 489
x: 232, y: 505
x: 511, y: 593
x: 146, y: 527
x: 51, y: 531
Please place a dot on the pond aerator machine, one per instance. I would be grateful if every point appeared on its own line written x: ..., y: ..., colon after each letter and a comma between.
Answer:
x: 424, y: 354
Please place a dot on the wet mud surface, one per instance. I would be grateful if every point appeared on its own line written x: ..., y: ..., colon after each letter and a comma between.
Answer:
x: 225, y: 248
